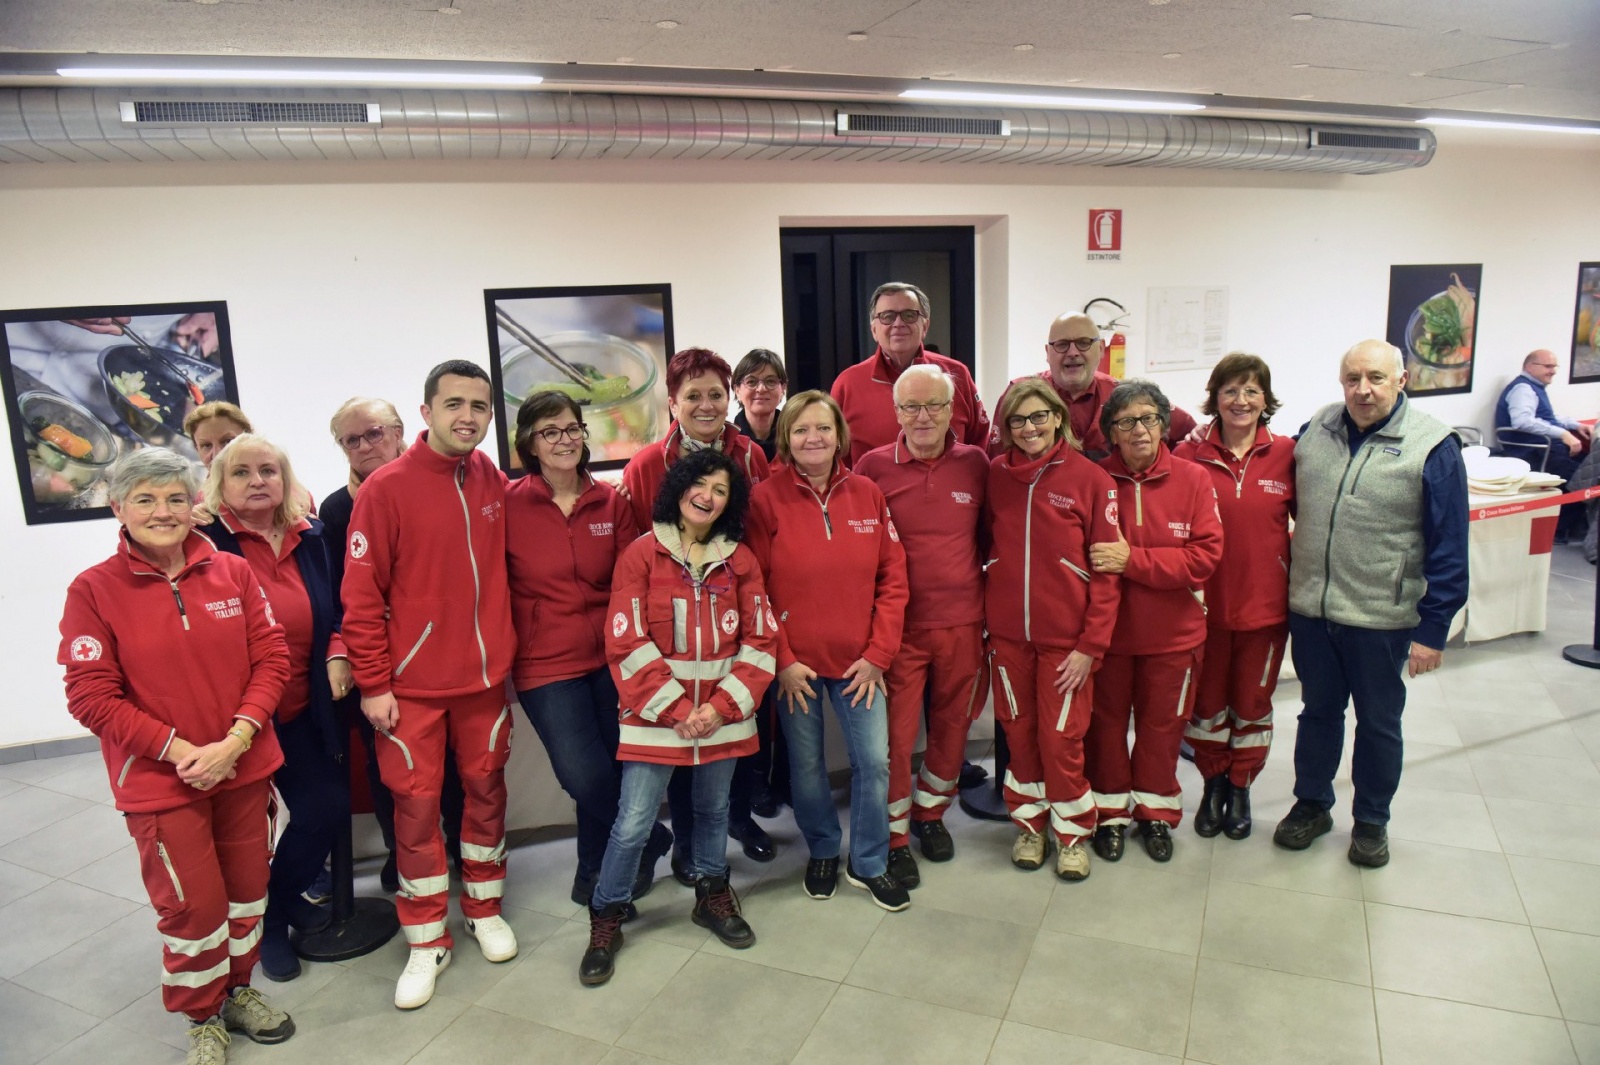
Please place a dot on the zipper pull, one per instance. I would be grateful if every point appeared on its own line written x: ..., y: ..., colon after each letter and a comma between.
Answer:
x: 182, y: 613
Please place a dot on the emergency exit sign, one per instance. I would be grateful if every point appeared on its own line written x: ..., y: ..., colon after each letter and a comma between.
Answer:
x: 1105, y: 234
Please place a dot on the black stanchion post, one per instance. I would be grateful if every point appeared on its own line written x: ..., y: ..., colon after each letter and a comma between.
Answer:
x: 1587, y: 654
x: 987, y: 801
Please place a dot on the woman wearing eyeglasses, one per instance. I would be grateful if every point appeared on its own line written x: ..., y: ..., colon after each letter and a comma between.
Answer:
x: 759, y: 382
x: 564, y: 533
x: 1049, y: 618
x: 1170, y: 544
x: 1247, y: 598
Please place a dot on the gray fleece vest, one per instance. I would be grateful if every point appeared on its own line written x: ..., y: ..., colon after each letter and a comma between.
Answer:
x: 1358, y: 550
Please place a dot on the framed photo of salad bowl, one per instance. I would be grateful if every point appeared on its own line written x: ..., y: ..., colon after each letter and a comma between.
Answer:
x: 86, y: 385
x: 1586, y: 327
x: 604, y: 345
x: 1432, y: 314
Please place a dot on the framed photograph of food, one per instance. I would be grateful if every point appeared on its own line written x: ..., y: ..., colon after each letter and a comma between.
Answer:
x: 604, y: 345
x: 1432, y: 311
x: 87, y: 385
x: 1586, y: 327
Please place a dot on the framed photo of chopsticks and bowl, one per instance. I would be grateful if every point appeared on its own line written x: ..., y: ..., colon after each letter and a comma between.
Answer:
x: 86, y: 385
x: 1433, y: 312
x: 605, y: 345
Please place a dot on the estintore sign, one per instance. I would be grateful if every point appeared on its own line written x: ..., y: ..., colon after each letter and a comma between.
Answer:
x: 1105, y: 234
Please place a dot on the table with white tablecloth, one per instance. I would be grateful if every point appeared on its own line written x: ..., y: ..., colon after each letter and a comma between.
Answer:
x: 1508, y: 560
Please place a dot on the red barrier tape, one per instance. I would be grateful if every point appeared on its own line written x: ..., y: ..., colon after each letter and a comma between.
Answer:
x: 1542, y: 503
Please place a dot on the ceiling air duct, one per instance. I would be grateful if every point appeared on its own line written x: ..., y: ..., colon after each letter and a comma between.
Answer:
x: 94, y: 125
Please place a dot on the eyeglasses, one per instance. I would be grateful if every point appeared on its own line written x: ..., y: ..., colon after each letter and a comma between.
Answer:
x: 574, y: 432
x: 916, y: 410
x: 148, y: 504
x: 371, y: 438
x: 1061, y: 347
x: 1232, y: 394
x: 1038, y: 417
x: 909, y: 317
x: 1149, y: 421
x: 762, y: 384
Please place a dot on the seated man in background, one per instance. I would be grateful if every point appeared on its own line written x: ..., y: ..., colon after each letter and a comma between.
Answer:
x: 1526, y: 425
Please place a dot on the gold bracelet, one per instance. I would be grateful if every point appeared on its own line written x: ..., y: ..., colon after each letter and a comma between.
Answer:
x: 239, y: 732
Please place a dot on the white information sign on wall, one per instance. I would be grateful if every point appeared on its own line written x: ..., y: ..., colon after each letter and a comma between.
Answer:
x: 1188, y: 328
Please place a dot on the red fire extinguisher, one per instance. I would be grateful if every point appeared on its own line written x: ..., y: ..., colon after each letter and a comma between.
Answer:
x: 1116, y: 345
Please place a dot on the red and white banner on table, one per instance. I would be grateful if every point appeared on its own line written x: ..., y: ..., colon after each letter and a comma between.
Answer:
x: 1541, y: 503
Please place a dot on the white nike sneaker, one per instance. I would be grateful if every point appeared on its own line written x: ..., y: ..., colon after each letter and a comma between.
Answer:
x: 415, y: 986
x: 495, y: 937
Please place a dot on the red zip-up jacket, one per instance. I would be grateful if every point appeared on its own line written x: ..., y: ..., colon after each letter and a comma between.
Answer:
x: 865, y: 392
x: 1255, y: 496
x: 1083, y: 414
x: 427, y: 606
x: 560, y: 568
x: 834, y: 567
x: 149, y: 659
x: 1169, y: 516
x: 938, y: 510
x: 675, y: 643
x: 642, y: 475
x: 1042, y: 514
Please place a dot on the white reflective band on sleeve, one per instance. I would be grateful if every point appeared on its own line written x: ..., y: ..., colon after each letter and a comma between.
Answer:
x: 1032, y: 791
x: 1116, y: 800
x: 754, y: 656
x: 484, y: 889
x: 477, y: 852
x: 935, y: 783
x: 1157, y: 802
x: 423, y: 933
x: 642, y: 656
x: 199, y: 979
x: 709, y: 669
x: 237, y: 910
x: 191, y: 948
x: 1251, y: 739
x: 929, y: 800
x: 739, y: 694
x: 900, y: 807
x: 669, y: 693
x: 426, y: 885
x: 238, y: 948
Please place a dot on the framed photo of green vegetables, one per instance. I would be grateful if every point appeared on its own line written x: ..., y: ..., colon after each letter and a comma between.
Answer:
x: 1586, y: 327
x: 1432, y: 314
x: 86, y: 385
x: 607, y: 346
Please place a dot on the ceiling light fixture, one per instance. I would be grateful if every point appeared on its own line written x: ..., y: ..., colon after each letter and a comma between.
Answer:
x: 855, y: 37
x: 1302, y: 17
x: 666, y: 24
x: 1022, y: 48
x: 1487, y: 123
x: 1041, y: 100
x: 1171, y: 55
x: 359, y: 77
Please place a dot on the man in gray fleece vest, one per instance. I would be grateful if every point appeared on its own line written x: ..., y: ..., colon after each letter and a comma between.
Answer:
x: 1378, y: 569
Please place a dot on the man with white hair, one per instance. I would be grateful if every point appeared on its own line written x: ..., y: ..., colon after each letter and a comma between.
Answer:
x: 1378, y: 569
x: 935, y: 487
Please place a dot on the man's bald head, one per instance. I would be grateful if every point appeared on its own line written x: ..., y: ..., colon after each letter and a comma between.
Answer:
x: 1541, y: 365
x: 1073, y: 369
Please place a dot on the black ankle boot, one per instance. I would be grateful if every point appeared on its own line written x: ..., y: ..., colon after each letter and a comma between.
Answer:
x: 716, y: 907
x: 1213, y: 810
x: 1237, y: 824
x: 605, y: 939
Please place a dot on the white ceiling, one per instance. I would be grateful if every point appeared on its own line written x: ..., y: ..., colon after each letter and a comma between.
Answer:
x: 1525, y: 57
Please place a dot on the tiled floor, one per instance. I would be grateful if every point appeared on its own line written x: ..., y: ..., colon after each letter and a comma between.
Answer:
x: 1479, y: 942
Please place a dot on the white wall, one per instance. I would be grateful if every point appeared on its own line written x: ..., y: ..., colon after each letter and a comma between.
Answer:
x: 344, y: 279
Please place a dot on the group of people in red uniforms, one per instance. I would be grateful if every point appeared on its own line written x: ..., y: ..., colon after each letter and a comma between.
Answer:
x: 881, y: 549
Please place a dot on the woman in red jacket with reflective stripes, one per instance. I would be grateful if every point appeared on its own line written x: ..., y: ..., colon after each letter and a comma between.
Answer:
x: 1171, y: 544
x: 690, y: 638
x: 1247, y: 598
x: 173, y: 660
x: 1049, y: 619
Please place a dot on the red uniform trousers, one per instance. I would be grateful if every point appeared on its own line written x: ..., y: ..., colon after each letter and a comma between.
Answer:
x: 478, y: 728
x: 1045, y: 735
x: 205, y: 865
x: 1231, y: 730
x: 948, y: 665
x: 1158, y: 691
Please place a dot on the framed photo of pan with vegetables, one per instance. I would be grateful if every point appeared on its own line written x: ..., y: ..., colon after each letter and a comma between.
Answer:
x: 1433, y: 312
x: 1586, y: 327
x: 86, y: 385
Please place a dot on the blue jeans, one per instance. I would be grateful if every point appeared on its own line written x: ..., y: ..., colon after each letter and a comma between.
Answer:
x: 643, y: 785
x: 1337, y: 664
x: 866, y: 734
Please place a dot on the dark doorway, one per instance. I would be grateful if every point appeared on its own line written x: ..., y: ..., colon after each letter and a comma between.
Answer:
x: 829, y: 274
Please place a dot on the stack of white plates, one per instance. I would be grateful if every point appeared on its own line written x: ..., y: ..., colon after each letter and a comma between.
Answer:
x: 1491, y: 475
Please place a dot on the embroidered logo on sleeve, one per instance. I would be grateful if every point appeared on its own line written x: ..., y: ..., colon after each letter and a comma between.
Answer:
x: 358, y: 544
x: 730, y: 622
x: 85, y: 649
x: 619, y: 624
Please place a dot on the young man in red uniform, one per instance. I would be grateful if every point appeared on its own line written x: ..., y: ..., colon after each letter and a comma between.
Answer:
x: 935, y: 488
x: 427, y: 622
x: 865, y: 391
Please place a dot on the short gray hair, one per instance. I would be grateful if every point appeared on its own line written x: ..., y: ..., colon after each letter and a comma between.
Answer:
x: 926, y: 371
x: 153, y: 466
x: 1126, y: 395
x: 381, y: 409
x: 1376, y: 345
x: 901, y: 286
